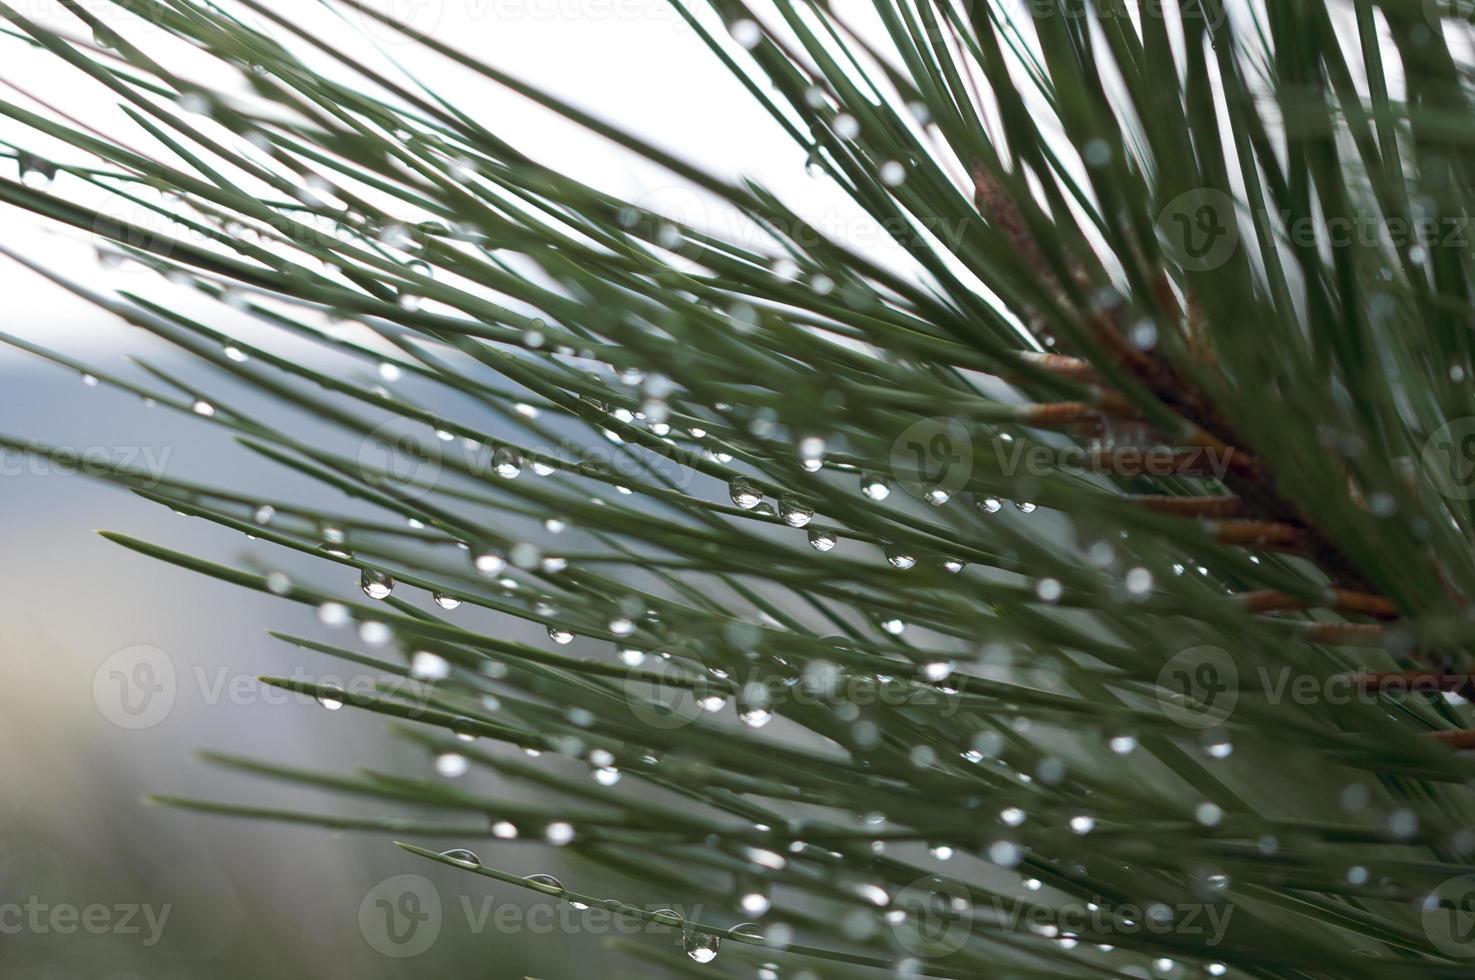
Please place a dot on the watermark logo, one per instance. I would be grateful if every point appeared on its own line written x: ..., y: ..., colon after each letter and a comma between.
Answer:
x: 1449, y: 917
x: 938, y: 916
x: 401, y: 916
x: 399, y: 452
x: 1199, y: 687
x: 135, y: 687
x: 1198, y: 229
x: 665, y: 696
x: 41, y: 918
x: 417, y: 15
x: 933, y: 455
x: 1449, y: 459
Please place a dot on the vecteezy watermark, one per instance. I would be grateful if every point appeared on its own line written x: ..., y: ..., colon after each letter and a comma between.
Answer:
x: 135, y: 687
x: 412, y: 458
x: 936, y: 456
x: 666, y: 695
x: 37, y: 459
x: 1199, y: 687
x: 935, y: 916
x: 35, y: 916
x: 1198, y: 229
x: 1097, y: 921
x: 1449, y: 459
x: 1212, y: 14
x: 400, y: 917
x: 403, y: 916
x: 425, y: 16
x: 1449, y: 917
x: 138, y: 687
x: 933, y: 455
x: 401, y: 452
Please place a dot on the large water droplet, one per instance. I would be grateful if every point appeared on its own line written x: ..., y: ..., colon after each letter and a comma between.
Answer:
x: 507, y: 463
x: 874, y: 487
x: 700, y: 946
x: 445, y: 600
x: 560, y: 636
x: 821, y: 540
x: 794, y: 512
x: 463, y: 856
x: 811, y: 454
x: 744, y: 493
x: 899, y: 558
x: 376, y: 584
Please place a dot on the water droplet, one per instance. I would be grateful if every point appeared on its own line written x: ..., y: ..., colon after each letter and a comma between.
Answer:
x: 463, y: 856
x: 755, y: 715
x: 427, y: 666
x: 893, y: 626
x: 504, y: 830
x: 1082, y: 824
x: 506, y: 463
x: 560, y: 636
x: 333, y: 614
x: 376, y: 584
x: 893, y: 174
x: 700, y: 946
x: 1049, y: 590
x: 631, y: 657
x: 445, y: 600
x: 754, y: 902
x: 937, y: 496
x: 451, y: 765
x: 952, y: 565
x: 1025, y: 507
x: 1123, y: 744
x: 1139, y: 581
x: 811, y: 454
x: 874, y: 487
x: 621, y: 626
x: 559, y: 833
x: 744, y: 494
x: 90, y: 380
x: 712, y: 703
x: 375, y: 633
x: 746, y: 32
x: 898, y: 558
x: 794, y: 512
x: 936, y: 670
x: 277, y: 583
x: 821, y: 540
x: 847, y: 127
x: 990, y: 505
x: 204, y: 408
x: 489, y: 563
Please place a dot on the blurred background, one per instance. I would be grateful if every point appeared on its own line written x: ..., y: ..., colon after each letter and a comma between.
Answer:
x: 94, y: 883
